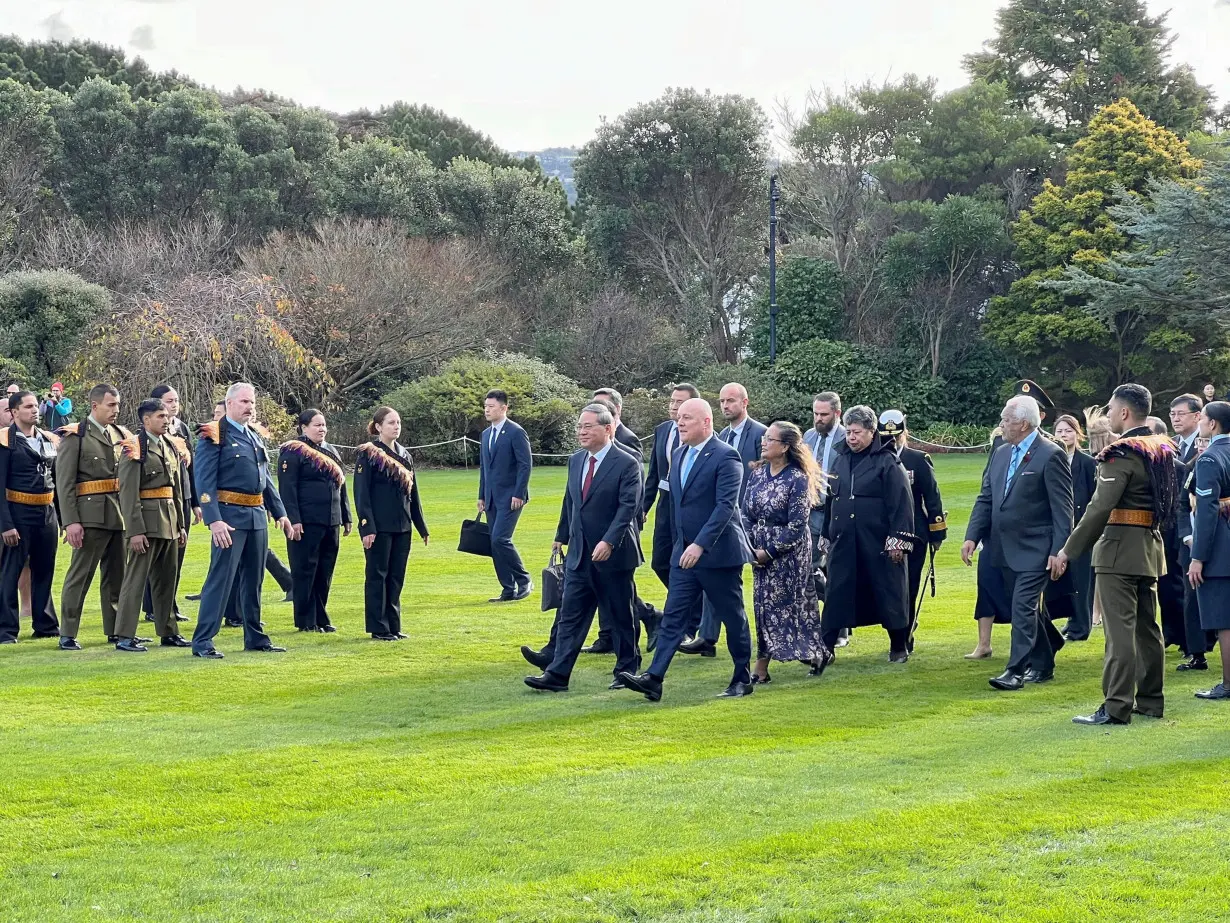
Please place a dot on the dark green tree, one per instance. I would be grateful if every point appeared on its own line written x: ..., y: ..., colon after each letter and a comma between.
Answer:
x: 45, y: 316
x: 809, y: 295
x: 103, y: 150
x: 29, y: 145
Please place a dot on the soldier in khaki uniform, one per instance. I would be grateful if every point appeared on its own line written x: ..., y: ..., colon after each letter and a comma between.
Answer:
x: 89, y: 497
x: 1132, y: 503
x: 153, y: 495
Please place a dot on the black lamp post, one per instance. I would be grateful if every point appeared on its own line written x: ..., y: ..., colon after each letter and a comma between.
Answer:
x: 774, y: 195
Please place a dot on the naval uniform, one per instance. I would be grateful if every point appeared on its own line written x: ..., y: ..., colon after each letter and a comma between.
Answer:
x: 928, y: 512
x: 27, y: 504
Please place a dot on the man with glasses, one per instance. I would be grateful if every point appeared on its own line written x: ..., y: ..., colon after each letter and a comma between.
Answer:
x: 1185, y: 418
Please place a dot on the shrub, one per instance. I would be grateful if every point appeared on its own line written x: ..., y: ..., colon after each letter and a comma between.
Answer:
x: 45, y: 316
x: 447, y: 405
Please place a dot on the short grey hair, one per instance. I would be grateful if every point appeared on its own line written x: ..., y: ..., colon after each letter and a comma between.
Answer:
x: 1024, y: 409
x: 832, y: 398
x: 602, y: 414
x: 611, y: 395
x: 238, y: 386
x: 860, y: 415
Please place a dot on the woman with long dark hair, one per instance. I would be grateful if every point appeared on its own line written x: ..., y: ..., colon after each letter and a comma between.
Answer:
x: 1070, y: 435
x: 313, y: 487
x: 781, y: 490
x: 386, y: 496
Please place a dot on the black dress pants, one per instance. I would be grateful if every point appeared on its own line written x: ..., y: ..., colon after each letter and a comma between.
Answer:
x: 312, y: 560
x: 385, y: 576
x: 585, y: 589
x: 39, y: 540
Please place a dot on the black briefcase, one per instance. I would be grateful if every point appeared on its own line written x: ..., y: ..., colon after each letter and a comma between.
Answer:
x: 475, y: 537
x: 553, y: 583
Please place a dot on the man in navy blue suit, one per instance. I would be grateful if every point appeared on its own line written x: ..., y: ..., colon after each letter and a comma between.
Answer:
x: 744, y: 435
x: 237, y: 497
x: 599, y: 523
x: 709, y: 552
x: 503, y: 489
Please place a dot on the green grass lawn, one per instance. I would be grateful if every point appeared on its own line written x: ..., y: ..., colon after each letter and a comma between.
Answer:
x: 354, y: 780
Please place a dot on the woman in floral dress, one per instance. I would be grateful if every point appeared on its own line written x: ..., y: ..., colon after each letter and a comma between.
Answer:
x: 781, y: 490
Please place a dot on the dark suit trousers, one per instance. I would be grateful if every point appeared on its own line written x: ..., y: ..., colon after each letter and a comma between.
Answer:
x: 1197, y: 641
x: 240, y: 568
x: 101, y: 550
x: 508, y: 567
x: 37, y: 548
x: 1170, y: 593
x: 722, y: 585
x: 663, y: 540
x: 312, y: 560
x: 382, y: 585
x: 1081, y: 621
x: 1031, y: 643
x: 611, y: 592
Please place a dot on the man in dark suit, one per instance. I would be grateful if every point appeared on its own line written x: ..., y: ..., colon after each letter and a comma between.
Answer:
x: 624, y: 436
x: 1185, y: 418
x: 1023, y: 516
x: 598, y: 524
x: 238, y: 497
x: 709, y: 552
x: 743, y: 434
x: 504, y: 466
x: 657, y: 486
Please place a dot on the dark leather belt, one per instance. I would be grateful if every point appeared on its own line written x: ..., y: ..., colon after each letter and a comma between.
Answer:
x: 1142, y: 518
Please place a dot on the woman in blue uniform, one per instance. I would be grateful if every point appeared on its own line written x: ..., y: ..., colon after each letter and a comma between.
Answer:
x: 313, y: 487
x: 386, y: 496
x: 1209, y: 572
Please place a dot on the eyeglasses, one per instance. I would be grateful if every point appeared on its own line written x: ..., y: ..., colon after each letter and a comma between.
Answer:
x: 771, y: 439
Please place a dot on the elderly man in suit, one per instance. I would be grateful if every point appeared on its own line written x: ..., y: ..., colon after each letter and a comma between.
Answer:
x: 504, y: 466
x: 1022, y: 517
x: 709, y: 552
x: 744, y: 435
x: 598, y: 524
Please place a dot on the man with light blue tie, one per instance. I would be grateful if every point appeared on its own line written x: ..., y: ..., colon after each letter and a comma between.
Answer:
x: 1023, y: 516
x: 709, y: 552
x: 504, y: 466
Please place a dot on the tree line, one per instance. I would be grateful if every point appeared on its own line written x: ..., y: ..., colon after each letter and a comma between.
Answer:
x: 1057, y: 217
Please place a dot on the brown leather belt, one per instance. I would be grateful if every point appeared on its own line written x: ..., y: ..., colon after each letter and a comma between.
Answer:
x: 158, y: 493
x: 107, y: 486
x: 235, y: 498
x: 1142, y: 518
x: 25, y: 499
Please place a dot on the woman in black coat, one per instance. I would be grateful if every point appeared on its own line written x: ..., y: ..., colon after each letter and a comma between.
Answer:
x: 869, y: 523
x: 313, y: 488
x: 386, y: 497
x: 1071, y: 436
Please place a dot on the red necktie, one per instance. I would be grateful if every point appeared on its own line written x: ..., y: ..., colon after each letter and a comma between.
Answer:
x: 589, y: 478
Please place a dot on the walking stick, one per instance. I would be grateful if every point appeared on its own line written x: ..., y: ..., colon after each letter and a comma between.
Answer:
x: 929, y: 579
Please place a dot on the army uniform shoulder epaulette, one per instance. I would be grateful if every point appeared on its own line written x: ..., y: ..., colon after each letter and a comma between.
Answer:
x: 131, y: 448
x: 70, y: 429
x: 181, y: 448
x: 210, y: 431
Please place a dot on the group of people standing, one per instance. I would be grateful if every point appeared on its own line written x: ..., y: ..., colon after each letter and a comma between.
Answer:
x: 848, y: 498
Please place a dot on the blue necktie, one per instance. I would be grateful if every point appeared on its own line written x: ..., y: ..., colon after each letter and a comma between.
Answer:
x: 687, y: 465
x: 1012, y: 465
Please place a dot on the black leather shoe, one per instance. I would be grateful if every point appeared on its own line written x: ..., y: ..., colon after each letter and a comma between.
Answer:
x: 384, y: 637
x: 211, y: 654
x: 652, y: 622
x: 268, y: 649
x: 502, y: 598
x: 757, y: 681
x: 600, y: 646
x: 1099, y: 717
x: 1220, y: 691
x: 523, y: 592
x: 1037, y: 676
x: 327, y: 629
x: 142, y: 640
x: 1146, y: 714
x: 69, y: 644
x: 8, y: 640
x: 44, y: 634
x: 818, y: 668
x: 288, y: 598
x: 898, y: 657
x: 175, y: 641
x: 1008, y: 681
x: 548, y: 682
x: 400, y: 636
x: 1193, y: 663
x: 232, y: 623
x: 736, y: 691
x: 535, y: 658
x: 193, y: 597
x: 646, y: 684
x: 130, y: 646
x: 699, y: 646
x: 616, y: 684
x: 149, y: 617
x: 182, y: 618
x: 111, y: 639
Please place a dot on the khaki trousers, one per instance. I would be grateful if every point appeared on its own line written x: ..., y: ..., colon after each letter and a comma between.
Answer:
x: 1135, y: 655
x: 101, y: 549
x: 158, y: 566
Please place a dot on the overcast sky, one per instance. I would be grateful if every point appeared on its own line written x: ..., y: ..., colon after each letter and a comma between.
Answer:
x: 541, y: 73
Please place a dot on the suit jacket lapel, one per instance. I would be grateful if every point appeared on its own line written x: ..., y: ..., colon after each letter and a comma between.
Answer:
x: 599, y: 473
x: 700, y: 461
x: 1026, y: 462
